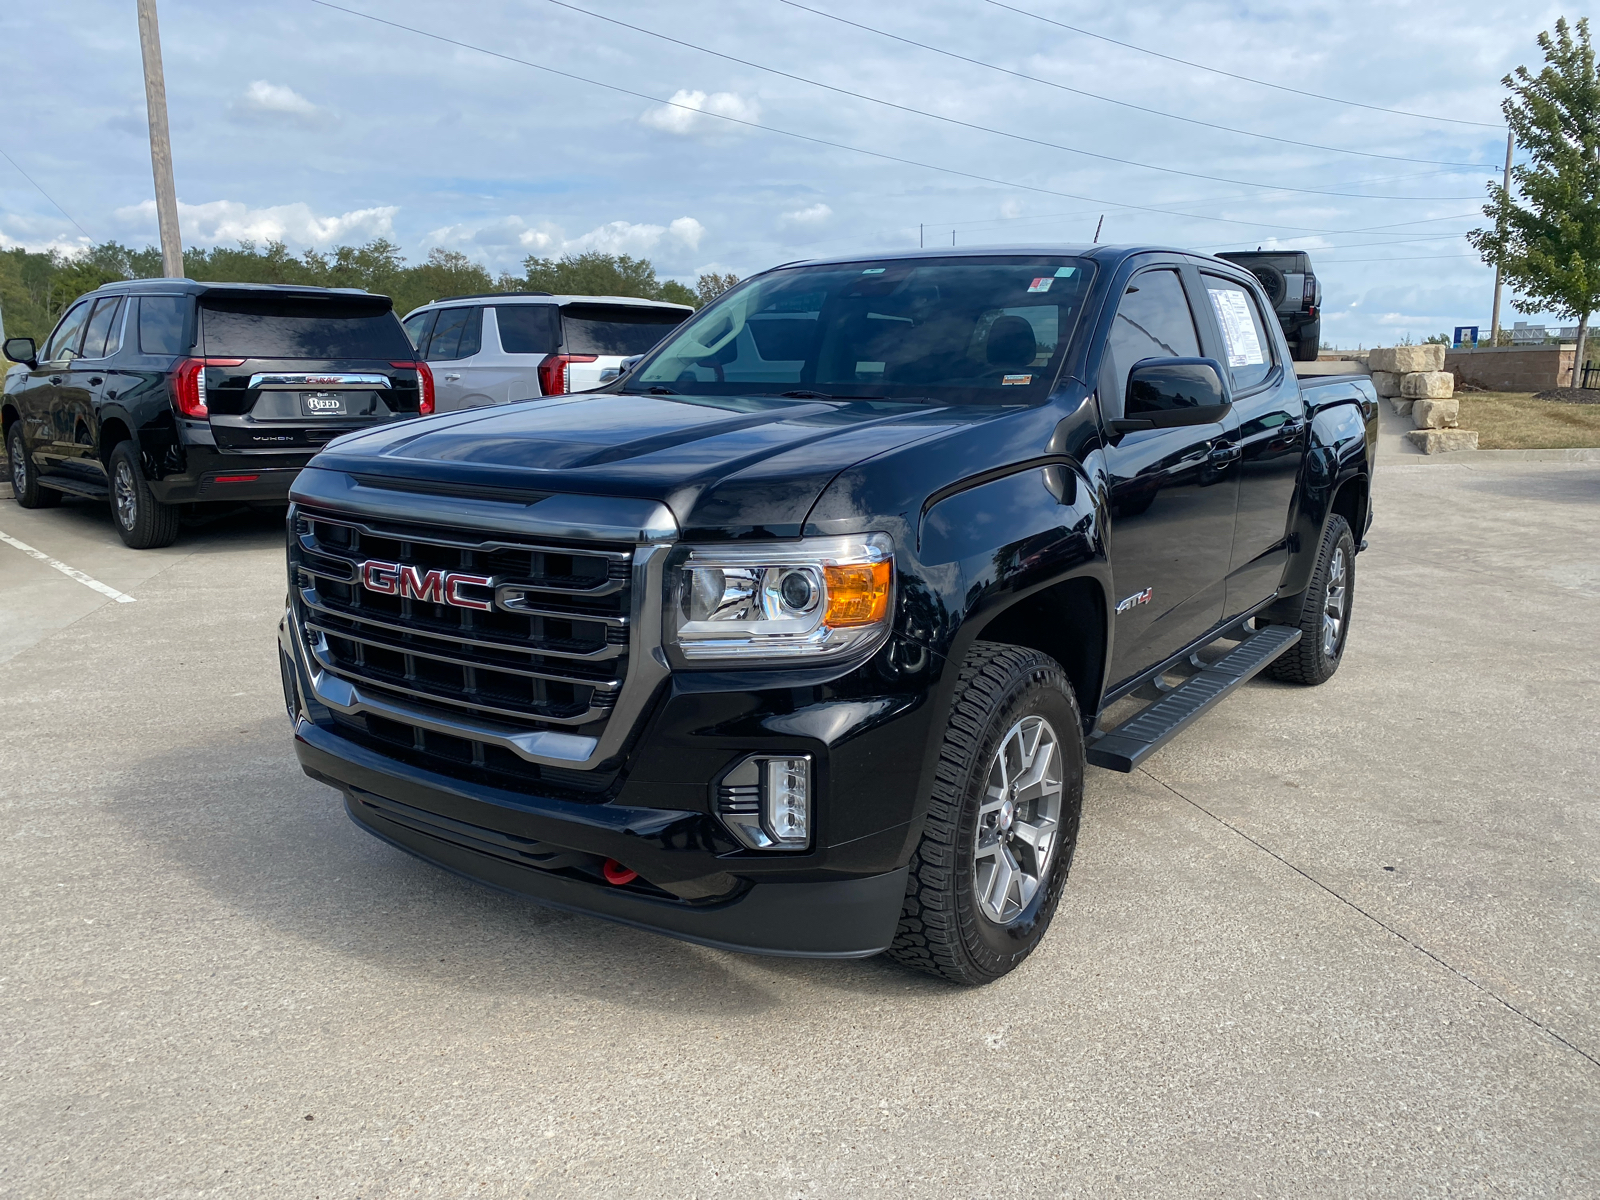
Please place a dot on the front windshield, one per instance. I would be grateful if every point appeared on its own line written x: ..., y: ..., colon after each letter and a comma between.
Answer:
x: 989, y: 330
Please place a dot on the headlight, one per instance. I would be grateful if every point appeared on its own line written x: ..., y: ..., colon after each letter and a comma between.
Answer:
x: 817, y: 598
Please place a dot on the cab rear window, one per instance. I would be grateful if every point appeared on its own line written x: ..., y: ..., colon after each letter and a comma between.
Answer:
x: 615, y: 329
x: 290, y: 328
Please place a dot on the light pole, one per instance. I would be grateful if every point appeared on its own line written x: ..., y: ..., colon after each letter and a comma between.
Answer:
x: 155, y: 96
x: 1494, y: 320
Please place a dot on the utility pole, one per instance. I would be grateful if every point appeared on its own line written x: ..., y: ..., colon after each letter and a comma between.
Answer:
x: 1494, y: 320
x: 155, y: 96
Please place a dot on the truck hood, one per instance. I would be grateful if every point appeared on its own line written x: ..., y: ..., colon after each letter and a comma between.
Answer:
x: 725, y: 466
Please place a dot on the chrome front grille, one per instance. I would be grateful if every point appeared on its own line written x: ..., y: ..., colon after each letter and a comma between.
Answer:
x: 527, y: 666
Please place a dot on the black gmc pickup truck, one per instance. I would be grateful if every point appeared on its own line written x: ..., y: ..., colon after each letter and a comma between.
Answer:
x: 798, y: 637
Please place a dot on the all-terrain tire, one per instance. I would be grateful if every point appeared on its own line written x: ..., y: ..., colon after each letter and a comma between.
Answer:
x: 25, y: 485
x: 1317, y: 655
x: 943, y: 930
x: 142, y: 521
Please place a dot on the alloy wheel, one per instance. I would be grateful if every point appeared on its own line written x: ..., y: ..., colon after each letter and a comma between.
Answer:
x: 19, y: 466
x: 1333, y: 605
x: 126, y: 498
x: 1018, y: 820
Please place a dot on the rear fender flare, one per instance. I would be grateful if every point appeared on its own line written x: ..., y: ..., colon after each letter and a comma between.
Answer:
x: 1337, y: 456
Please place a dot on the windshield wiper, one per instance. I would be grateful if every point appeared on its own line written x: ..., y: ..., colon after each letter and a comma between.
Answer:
x: 806, y: 394
x: 657, y: 389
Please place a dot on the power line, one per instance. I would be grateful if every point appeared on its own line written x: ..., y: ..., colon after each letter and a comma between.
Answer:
x: 1399, y: 112
x: 805, y: 137
x: 1019, y: 137
x: 1112, y: 100
x: 47, y: 196
x: 1409, y: 258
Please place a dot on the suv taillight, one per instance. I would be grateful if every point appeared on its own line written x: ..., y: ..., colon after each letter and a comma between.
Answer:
x: 188, y: 382
x: 424, y: 384
x: 553, y: 380
x: 1309, y: 295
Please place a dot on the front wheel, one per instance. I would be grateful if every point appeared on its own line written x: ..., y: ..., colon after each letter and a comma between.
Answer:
x: 1324, y: 611
x: 142, y: 521
x: 1002, y: 824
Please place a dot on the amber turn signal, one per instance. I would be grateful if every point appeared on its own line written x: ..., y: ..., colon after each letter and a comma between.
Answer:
x: 858, y: 593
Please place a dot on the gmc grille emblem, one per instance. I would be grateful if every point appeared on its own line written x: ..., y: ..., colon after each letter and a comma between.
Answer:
x: 435, y: 587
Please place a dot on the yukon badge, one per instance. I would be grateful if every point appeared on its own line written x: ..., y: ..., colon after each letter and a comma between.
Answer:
x: 1136, y: 599
x: 436, y: 587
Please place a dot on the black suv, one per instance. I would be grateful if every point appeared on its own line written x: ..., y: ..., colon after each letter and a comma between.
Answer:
x: 1294, y: 293
x: 162, y: 393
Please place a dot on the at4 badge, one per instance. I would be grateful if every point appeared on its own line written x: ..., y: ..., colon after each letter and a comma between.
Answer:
x: 1135, y: 600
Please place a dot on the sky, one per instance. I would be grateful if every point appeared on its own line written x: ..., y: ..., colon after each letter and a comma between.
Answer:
x: 738, y: 144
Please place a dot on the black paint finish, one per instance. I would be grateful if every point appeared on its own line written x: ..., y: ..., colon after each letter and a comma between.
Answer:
x: 1025, y: 523
x: 75, y: 410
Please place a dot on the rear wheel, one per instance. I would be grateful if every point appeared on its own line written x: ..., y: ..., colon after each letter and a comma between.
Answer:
x: 142, y: 521
x: 1324, y: 611
x: 1002, y: 825
x: 25, y: 485
x: 1306, y: 349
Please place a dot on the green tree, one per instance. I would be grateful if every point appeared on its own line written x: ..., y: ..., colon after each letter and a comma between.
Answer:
x: 36, y: 287
x: 1547, y: 242
x: 709, y: 287
x: 596, y: 274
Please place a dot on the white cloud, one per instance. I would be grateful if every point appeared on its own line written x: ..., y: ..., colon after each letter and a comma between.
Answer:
x: 275, y: 101
x: 816, y: 214
x: 228, y: 221
x: 685, y: 113
x: 547, y: 240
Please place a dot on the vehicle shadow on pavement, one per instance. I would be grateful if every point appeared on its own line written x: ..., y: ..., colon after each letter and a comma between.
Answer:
x: 229, y: 529
x: 246, y: 833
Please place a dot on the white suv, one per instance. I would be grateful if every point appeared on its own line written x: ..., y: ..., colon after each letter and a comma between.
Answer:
x: 506, y: 346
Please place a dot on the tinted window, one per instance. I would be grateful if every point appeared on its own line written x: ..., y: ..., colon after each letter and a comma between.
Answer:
x: 64, y: 341
x: 457, y: 333
x: 416, y: 327
x: 959, y: 331
x: 527, y: 328
x: 292, y: 328
x: 101, y: 337
x: 1153, y: 321
x: 594, y: 329
x: 161, y: 324
x: 1243, y: 332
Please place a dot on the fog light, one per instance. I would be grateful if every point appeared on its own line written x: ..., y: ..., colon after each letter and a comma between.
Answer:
x: 766, y: 802
x: 786, y: 797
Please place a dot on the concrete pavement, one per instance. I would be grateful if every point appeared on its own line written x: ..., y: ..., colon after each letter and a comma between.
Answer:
x: 1338, y: 941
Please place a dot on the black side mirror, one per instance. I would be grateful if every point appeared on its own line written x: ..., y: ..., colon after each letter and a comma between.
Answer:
x: 1164, y: 393
x: 22, y: 350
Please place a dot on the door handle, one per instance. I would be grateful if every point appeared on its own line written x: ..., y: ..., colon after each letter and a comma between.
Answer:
x: 451, y: 377
x: 1223, y: 455
x: 55, y: 379
x: 95, y: 381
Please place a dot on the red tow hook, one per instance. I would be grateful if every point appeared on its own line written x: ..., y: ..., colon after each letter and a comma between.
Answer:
x: 616, y: 873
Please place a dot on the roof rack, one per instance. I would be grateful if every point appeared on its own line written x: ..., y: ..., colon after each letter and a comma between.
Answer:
x: 486, y: 296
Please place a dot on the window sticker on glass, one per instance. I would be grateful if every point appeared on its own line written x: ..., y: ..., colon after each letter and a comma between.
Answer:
x: 869, y: 368
x: 1065, y: 272
x: 1042, y: 284
x: 1233, y: 314
x: 875, y: 270
x: 1015, y: 380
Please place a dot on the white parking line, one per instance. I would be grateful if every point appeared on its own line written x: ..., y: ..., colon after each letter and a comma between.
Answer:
x: 105, y: 589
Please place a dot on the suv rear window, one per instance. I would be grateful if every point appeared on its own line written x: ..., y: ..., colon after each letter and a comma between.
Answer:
x: 293, y: 328
x: 527, y: 328
x: 614, y: 329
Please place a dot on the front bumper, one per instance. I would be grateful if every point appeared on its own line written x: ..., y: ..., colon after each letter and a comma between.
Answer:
x: 840, y: 900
